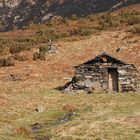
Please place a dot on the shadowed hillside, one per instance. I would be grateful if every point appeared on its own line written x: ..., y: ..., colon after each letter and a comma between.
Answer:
x: 18, y: 13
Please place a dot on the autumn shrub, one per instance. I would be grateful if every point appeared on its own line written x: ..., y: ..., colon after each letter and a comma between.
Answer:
x: 43, y: 36
x: 65, y: 21
x: 59, y: 36
x: 15, y: 49
x: 91, y: 18
x: 129, y: 18
x: 69, y: 108
x: 4, y: 44
x: 25, y: 40
x: 133, y: 20
x: 1, y: 49
x: 65, y: 34
x: 22, y: 131
x: 6, y: 62
x: 85, y: 32
x: 43, y: 48
x: 125, y: 15
x: 81, y: 32
x: 20, y: 57
x: 106, y: 21
x: 35, y: 56
x: 74, y: 17
x: 136, y: 30
x: 42, y: 55
x: 39, y: 56
x: 19, y: 47
x: 75, y: 31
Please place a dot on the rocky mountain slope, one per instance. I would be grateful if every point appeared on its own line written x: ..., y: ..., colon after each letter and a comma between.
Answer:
x: 18, y: 13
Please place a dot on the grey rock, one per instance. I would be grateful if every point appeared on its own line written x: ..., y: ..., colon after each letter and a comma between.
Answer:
x: 40, y: 108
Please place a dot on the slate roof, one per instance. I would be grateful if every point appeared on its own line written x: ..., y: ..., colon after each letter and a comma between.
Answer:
x: 103, y: 55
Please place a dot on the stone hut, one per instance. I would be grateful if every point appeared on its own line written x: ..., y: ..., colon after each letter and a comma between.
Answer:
x: 105, y: 73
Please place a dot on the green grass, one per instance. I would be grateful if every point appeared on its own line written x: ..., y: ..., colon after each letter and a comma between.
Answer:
x: 100, y: 116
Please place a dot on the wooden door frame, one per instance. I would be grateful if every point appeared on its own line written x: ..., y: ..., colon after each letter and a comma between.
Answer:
x: 115, y: 83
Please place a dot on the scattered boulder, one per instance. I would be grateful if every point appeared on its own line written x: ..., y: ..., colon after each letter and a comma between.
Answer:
x: 49, y: 48
x: 14, y: 77
x: 36, y: 127
x: 119, y: 49
x: 66, y: 118
x: 40, y: 108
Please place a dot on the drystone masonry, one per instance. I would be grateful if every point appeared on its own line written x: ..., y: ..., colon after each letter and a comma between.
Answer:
x: 94, y: 74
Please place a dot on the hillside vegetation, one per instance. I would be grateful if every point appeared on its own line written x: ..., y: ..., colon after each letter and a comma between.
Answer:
x: 76, y: 40
x: 97, y: 116
x: 32, y: 107
x: 63, y: 28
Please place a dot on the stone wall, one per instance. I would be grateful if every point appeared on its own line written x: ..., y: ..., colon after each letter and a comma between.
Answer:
x: 95, y: 76
x: 128, y: 78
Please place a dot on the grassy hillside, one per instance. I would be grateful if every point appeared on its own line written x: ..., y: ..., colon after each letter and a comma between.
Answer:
x: 30, y: 85
x: 63, y: 28
x: 96, y: 116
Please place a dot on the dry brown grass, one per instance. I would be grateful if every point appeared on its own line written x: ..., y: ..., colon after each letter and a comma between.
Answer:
x: 99, y: 116
x: 73, y: 53
x: 63, y: 28
x: 103, y: 116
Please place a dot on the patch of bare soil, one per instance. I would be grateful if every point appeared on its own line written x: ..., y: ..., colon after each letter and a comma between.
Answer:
x: 130, y: 121
x: 133, y: 120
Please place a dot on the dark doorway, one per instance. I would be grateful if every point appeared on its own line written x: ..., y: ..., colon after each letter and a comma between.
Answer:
x: 113, y: 79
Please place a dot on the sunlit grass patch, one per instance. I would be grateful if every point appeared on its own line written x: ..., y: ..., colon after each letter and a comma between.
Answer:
x: 98, y: 116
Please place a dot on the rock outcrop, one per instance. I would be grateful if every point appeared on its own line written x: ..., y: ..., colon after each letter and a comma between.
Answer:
x: 18, y: 13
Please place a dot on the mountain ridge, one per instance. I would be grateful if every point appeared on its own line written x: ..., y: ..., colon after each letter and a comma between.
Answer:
x: 18, y: 13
